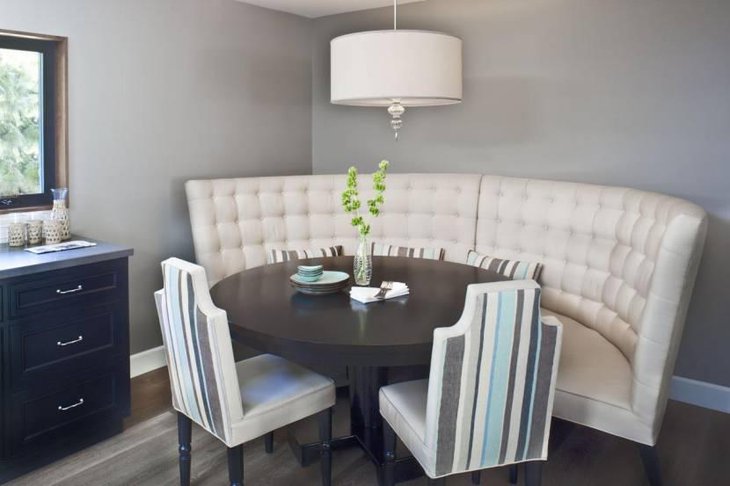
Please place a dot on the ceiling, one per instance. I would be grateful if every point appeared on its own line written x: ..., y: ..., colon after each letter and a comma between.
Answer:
x: 320, y: 8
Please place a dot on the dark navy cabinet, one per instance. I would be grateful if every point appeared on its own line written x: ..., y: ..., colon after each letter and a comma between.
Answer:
x: 64, y: 353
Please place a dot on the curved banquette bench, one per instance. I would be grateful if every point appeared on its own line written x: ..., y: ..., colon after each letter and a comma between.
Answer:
x: 619, y: 264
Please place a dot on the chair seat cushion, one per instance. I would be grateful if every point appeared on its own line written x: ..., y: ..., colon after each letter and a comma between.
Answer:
x: 276, y: 392
x: 594, y: 383
x: 403, y: 406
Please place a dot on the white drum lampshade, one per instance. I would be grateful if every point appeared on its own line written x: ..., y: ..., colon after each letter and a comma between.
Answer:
x: 397, y: 69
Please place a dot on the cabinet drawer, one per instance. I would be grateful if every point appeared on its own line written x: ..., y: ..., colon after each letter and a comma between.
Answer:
x: 59, y: 289
x: 33, y: 418
x: 57, y: 348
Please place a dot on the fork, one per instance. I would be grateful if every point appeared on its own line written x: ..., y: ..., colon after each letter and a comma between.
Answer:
x: 385, y: 287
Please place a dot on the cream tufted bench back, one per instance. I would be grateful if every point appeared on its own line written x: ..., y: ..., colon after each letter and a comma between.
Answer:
x: 600, y: 245
x: 236, y: 221
x: 620, y: 262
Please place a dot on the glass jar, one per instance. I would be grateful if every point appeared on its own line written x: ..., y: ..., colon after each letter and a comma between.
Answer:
x: 60, y: 212
x: 363, y: 265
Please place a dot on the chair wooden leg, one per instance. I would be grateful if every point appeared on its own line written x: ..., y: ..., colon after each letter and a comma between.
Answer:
x: 513, y: 474
x: 651, y: 464
x: 476, y: 477
x: 184, y: 434
x: 269, y: 442
x: 533, y: 473
x: 389, y: 444
x: 325, y: 435
x: 235, y: 465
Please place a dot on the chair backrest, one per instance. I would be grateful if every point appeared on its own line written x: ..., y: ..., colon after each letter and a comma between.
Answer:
x: 492, y: 380
x: 198, y: 349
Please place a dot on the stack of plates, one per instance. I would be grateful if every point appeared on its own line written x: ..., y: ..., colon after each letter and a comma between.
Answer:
x: 310, y: 273
x: 330, y: 283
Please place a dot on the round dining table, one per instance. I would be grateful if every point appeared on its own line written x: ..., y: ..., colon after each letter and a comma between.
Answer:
x: 267, y: 314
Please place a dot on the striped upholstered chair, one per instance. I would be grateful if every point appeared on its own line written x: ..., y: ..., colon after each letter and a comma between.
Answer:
x: 489, y: 396
x: 236, y: 402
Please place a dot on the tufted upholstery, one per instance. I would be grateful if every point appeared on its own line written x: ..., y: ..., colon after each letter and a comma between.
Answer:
x: 618, y: 261
x: 237, y: 221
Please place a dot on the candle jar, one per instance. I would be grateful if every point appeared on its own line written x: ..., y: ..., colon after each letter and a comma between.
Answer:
x: 60, y: 211
x: 52, y: 228
x: 35, y: 231
x: 16, y: 234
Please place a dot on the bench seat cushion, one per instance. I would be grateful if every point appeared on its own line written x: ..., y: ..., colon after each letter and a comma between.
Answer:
x: 594, y: 383
x: 590, y: 366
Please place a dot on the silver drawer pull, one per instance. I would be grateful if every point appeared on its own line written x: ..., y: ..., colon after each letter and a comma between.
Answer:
x: 77, y: 340
x: 77, y: 404
x: 69, y: 291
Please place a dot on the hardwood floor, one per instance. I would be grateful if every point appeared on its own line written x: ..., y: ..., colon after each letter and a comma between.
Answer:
x: 693, y: 449
x: 150, y: 396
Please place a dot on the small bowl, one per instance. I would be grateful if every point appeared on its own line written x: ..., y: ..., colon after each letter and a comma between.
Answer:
x: 310, y: 269
x: 311, y: 273
x: 320, y: 272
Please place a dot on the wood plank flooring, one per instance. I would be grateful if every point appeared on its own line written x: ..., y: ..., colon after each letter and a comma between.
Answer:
x: 150, y: 396
x: 694, y: 449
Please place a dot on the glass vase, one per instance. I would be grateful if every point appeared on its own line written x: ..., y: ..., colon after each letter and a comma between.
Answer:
x: 363, y: 265
x: 60, y: 212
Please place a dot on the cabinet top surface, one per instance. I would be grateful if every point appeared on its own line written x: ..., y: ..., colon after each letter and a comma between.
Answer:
x: 17, y: 262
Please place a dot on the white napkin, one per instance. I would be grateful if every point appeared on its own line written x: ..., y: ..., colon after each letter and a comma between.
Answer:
x: 366, y: 295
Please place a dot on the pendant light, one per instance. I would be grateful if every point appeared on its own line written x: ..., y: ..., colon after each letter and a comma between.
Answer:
x: 396, y: 69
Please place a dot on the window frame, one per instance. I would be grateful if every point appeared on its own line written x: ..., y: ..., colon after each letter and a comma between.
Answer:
x: 52, y: 175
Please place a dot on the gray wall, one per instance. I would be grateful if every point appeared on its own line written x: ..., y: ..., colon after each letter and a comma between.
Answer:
x: 620, y: 92
x: 166, y: 90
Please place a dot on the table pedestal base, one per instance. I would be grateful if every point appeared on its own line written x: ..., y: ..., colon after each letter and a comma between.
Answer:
x: 406, y: 468
x: 366, y: 426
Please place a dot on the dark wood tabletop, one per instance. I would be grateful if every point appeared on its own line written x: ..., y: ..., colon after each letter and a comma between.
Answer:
x: 266, y: 313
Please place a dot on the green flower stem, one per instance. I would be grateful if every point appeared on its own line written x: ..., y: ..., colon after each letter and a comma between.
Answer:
x: 351, y: 197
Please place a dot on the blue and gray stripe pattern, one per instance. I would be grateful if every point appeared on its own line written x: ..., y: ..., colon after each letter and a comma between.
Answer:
x: 383, y: 249
x: 514, y: 269
x: 192, y: 347
x: 496, y: 386
x: 278, y: 256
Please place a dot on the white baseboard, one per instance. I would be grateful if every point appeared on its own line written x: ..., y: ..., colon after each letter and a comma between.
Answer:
x: 700, y: 393
x: 147, y: 361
